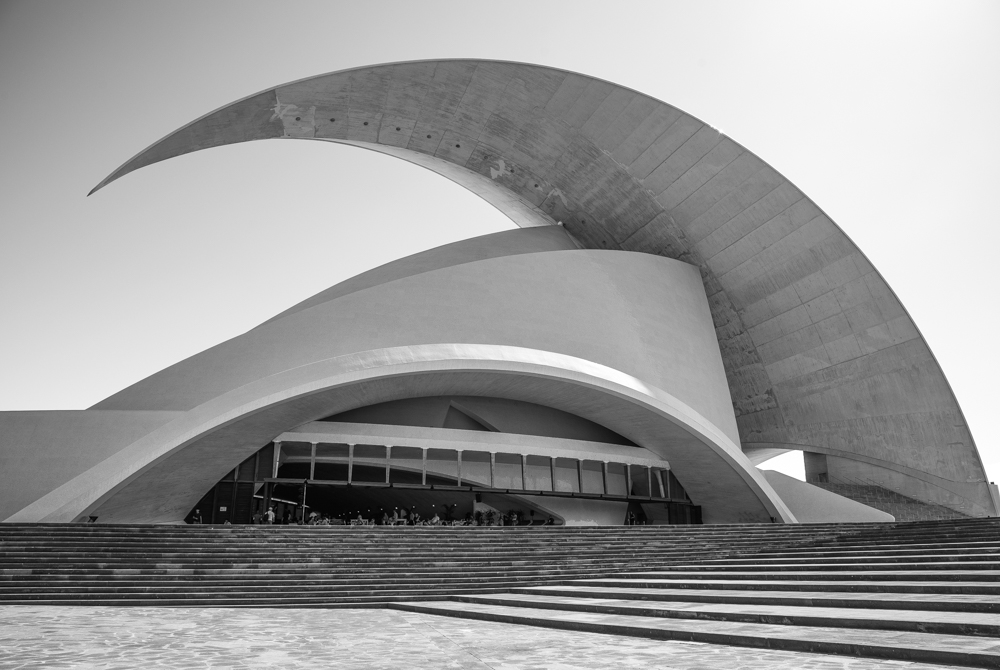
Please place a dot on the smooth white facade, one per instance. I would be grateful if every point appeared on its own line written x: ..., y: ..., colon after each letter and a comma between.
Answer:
x: 622, y: 339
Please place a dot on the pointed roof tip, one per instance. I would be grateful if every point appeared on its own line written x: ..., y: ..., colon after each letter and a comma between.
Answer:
x: 104, y: 182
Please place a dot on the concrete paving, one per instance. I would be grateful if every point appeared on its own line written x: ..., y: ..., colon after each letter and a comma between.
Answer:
x: 117, y: 638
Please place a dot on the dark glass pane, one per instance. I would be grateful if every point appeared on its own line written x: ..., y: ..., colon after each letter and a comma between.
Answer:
x: 369, y: 463
x: 294, y: 471
x: 508, y: 471
x: 640, y: 480
x: 476, y: 468
x: 406, y: 465
x: 331, y: 462
x: 567, y: 476
x: 593, y: 477
x: 265, y: 462
x: 537, y: 474
x: 368, y: 473
x: 617, y: 483
x: 677, y: 491
x: 659, y: 483
x: 223, y: 502
x: 442, y: 464
x: 245, y: 471
x: 336, y: 472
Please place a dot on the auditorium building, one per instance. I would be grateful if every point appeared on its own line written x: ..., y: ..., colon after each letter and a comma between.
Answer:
x: 670, y: 312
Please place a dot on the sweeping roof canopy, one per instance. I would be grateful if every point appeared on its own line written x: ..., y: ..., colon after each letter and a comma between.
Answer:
x: 819, y: 353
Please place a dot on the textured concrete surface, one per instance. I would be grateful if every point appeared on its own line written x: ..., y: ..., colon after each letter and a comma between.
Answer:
x: 819, y: 353
x: 126, y: 638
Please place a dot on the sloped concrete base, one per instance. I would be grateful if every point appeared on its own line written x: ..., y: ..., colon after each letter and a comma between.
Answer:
x: 811, y: 504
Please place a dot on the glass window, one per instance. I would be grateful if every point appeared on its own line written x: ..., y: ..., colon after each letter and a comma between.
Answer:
x: 567, y: 476
x: 537, y: 474
x: 640, y: 480
x: 442, y: 466
x: 593, y: 477
x: 406, y: 465
x: 369, y: 463
x: 616, y: 479
x: 331, y: 462
x: 265, y: 462
x: 508, y: 472
x: 476, y: 468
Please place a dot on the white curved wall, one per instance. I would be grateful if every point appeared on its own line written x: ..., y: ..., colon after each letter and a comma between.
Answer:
x: 621, y: 338
x: 644, y: 315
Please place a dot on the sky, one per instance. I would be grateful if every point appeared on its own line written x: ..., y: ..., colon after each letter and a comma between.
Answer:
x: 884, y: 113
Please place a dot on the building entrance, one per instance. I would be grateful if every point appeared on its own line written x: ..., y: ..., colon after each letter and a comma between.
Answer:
x: 304, y: 481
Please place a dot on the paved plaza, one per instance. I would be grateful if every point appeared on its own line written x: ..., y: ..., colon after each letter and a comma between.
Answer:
x: 109, y: 637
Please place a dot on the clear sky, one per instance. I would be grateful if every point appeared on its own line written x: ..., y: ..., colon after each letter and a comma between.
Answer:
x: 884, y: 113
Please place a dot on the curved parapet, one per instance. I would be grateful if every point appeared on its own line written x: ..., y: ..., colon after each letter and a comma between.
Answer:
x: 818, y: 351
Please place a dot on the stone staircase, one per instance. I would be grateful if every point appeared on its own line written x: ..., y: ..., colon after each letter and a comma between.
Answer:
x: 93, y: 564
x: 927, y: 591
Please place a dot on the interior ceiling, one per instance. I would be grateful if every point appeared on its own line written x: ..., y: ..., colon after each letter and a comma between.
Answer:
x: 817, y: 349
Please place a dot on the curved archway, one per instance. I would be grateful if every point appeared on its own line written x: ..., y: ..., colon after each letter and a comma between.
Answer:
x: 160, y: 476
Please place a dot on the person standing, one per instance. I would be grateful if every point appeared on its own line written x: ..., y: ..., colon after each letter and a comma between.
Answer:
x: 269, y: 515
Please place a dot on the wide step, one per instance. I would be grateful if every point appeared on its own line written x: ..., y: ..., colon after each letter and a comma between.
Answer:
x: 903, y: 646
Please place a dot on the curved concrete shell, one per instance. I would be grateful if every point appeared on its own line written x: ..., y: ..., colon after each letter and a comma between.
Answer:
x: 625, y: 341
x: 819, y: 354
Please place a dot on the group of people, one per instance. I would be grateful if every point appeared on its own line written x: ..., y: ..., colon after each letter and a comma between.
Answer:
x: 270, y: 517
x: 401, y: 516
x: 410, y: 516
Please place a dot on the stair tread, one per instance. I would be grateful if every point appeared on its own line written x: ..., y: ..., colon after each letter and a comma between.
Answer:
x: 911, y: 644
x: 856, y: 615
x: 680, y: 594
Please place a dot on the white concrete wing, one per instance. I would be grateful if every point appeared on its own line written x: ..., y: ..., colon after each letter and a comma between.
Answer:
x: 819, y: 354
